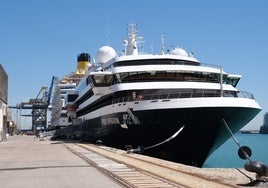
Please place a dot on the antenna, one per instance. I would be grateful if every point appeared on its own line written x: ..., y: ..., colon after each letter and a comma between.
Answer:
x: 125, y: 43
x: 152, y: 49
x: 162, y: 44
x: 108, y: 38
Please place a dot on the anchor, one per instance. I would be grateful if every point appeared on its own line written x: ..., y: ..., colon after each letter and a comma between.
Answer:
x: 258, y: 167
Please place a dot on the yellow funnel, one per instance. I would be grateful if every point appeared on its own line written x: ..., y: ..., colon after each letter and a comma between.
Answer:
x: 82, y: 63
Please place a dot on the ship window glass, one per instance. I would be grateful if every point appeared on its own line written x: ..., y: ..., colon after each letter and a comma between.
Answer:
x: 102, y: 80
x: 164, y: 96
x: 156, y: 62
x: 185, y: 95
x: 210, y: 94
x: 90, y: 82
x: 229, y: 93
x: 169, y: 76
x: 235, y: 82
x: 155, y: 97
x: 146, y: 97
x: 174, y: 95
x: 82, y: 86
x: 198, y: 94
x: 231, y: 80
x: 71, y: 97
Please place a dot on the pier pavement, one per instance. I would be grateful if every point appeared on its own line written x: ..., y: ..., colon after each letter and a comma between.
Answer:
x: 25, y: 161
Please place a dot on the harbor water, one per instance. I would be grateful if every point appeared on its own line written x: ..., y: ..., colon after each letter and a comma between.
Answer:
x: 226, y: 156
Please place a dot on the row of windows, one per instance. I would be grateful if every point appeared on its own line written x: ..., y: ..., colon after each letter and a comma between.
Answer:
x: 155, y: 62
x: 127, y: 96
x: 158, y: 76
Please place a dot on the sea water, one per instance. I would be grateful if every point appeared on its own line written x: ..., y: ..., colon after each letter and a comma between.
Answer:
x: 227, y: 157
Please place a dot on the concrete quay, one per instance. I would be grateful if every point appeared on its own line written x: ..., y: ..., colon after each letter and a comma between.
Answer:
x: 181, y: 175
x: 25, y: 161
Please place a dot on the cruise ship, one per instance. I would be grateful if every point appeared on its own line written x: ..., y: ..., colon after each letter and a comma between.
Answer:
x: 67, y: 84
x: 167, y: 105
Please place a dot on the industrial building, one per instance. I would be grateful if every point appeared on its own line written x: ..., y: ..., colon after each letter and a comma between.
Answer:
x: 3, y: 103
x: 264, y: 128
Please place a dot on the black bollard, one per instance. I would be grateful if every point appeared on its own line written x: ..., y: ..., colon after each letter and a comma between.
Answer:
x: 258, y: 167
x: 261, y: 171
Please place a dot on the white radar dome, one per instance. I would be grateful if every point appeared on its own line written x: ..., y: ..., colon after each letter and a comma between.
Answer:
x: 105, y: 54
x: 180, y: 52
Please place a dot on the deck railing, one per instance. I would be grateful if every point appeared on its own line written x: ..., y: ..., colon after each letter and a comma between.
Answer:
x: 165, y: 97
x: 184, y: 94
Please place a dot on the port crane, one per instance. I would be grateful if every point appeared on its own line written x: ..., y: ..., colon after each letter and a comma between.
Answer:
x: 39, y: 106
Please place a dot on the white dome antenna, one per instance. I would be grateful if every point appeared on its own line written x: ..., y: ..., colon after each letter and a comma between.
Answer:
x: 180, y: 52
x: 105, y: 54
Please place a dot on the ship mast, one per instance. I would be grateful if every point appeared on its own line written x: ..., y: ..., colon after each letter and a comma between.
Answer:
x: 131, y: 43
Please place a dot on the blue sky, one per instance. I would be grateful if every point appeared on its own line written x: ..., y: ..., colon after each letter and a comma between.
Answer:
x: 42, y: 38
